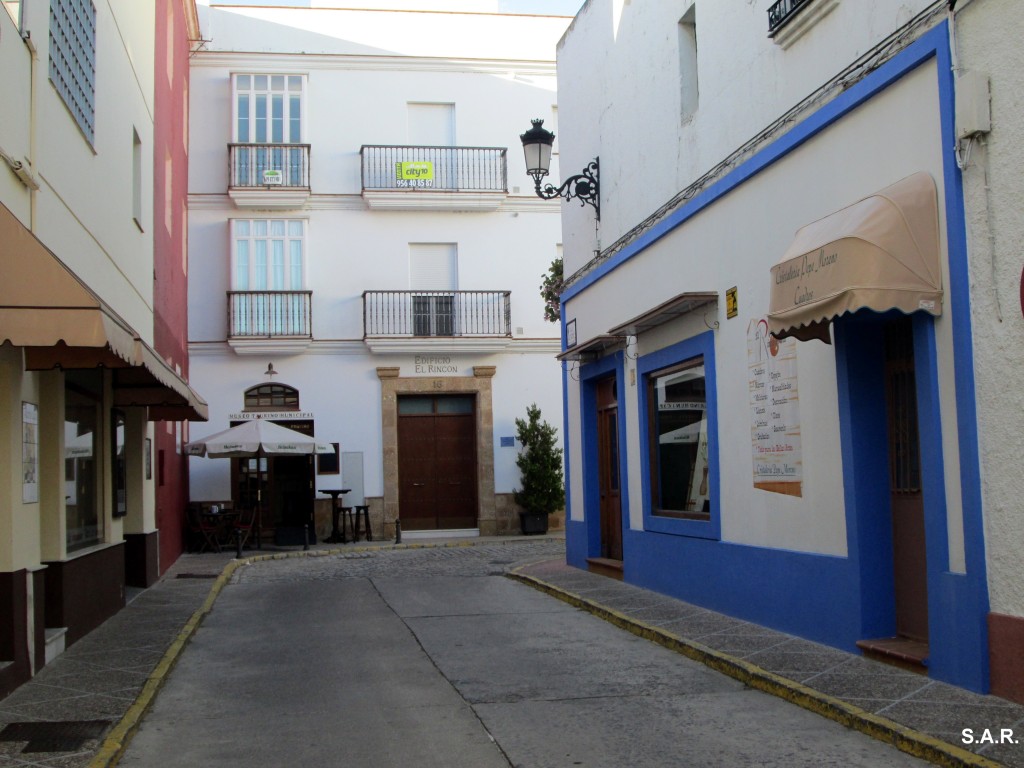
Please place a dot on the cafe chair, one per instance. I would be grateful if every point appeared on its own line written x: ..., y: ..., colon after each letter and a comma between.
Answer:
x: 245, y: 523
x: 202, y: 531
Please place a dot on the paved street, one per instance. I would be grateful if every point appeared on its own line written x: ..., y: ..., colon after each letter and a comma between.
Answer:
x: 428, y: 657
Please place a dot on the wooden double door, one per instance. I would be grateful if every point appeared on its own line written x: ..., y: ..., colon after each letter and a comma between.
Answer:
x: 437, y: 462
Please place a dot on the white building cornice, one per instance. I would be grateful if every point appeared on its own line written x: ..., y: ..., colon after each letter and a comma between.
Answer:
x: 270, y: 62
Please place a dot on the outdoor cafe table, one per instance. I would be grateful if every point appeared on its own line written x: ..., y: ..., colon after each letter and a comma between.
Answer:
x: 337, y: 536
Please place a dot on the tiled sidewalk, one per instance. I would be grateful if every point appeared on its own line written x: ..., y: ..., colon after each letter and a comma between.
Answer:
x: 921, y: 716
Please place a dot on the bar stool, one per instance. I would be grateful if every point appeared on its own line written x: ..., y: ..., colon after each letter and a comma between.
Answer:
x: 364, y: 511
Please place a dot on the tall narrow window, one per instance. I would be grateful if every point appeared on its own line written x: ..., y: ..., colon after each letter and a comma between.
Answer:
x: 268, y: 277
x: 73, y: 58
x: 434, y: 278
x: 83, y: 486
x: 137, y: 178
x: 688, y: 90
x: 269, y: 111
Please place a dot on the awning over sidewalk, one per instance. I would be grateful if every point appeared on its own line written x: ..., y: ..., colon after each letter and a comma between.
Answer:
x: 880, y: 253
x: 60, y: 322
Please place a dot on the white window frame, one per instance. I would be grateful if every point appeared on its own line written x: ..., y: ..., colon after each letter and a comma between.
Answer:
x: 263, y: 83
x: 252, y: 238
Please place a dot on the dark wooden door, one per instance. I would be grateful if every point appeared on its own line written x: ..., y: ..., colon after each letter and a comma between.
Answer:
x: 908, y: 531
x: 608, y: 469
x: 437, y: 465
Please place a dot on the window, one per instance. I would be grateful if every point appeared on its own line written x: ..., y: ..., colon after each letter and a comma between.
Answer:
x: 119, y: 473
x: 269, y: 270
x: 274, y: 397
x: 73, y: 58
x: 678, y: 436
x: 82, y: 487
x: 688, y: 90
x: 137, y: 178
x: 434, y: 278
x: 679, y: 432
x: 269, y: 111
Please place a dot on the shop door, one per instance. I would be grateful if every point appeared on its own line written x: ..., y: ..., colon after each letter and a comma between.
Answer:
x: 608, y: 469
x: 437, y: 464
x: 908, y: 532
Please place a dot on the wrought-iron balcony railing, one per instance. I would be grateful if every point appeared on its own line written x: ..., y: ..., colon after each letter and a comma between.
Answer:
x: 426, y: 169
x: 269, y: 165
x: 267, y: 314
x: 782, y: 12
x: 437, y: 313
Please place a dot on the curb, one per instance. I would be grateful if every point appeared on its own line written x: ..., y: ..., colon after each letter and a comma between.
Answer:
x: 899, y: 736
x: 119, y: 737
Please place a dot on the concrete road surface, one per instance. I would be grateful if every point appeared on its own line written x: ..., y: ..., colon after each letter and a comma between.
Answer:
x: 322, y: 667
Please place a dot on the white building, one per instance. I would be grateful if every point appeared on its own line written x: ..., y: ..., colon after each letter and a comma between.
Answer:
x: 801, y: 168
x: 82, y: 371
x: 361, y: 224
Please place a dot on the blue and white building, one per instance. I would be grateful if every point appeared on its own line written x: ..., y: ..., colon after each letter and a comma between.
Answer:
x: 773, y: 368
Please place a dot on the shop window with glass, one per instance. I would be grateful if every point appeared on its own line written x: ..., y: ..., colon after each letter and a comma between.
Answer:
x: 680, y: 435
x: 119, y: 466
x: 82, y: 486
x: 268, y: 276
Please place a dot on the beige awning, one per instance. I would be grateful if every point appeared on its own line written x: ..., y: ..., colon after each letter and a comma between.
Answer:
x: 60, y: 322
x: 880, y: 253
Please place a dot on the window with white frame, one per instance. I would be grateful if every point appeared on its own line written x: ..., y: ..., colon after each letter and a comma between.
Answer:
x: 268, y: 277
x: 269, y: 109
x: 269, y: 117
x: 73, y: 59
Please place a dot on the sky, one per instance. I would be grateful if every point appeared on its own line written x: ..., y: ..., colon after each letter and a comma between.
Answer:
x: 539, y: 7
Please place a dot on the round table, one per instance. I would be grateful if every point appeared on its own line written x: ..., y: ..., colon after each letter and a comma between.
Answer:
x: 337, y: 535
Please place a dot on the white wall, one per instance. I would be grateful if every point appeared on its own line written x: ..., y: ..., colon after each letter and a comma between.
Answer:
x: 648, y: 152
x: 988, y: 32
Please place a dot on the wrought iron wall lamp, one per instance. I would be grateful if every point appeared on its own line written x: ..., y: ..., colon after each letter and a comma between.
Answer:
x: 584, y: 186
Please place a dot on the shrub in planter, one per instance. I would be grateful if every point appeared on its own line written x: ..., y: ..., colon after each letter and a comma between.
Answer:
x: 540, y: 470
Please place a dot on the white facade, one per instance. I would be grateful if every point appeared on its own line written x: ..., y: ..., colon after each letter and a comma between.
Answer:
x: 388, y: 79
x: 80, y: 379
x: 733, y: 144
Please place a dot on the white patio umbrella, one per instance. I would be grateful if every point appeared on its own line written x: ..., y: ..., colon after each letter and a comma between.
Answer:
x: 256, y: 438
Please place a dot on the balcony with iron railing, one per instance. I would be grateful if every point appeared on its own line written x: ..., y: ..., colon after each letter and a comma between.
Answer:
x: 434, y: 178
x: 790, y: 19
x: 269, y: 175
x: 266, y: 321
x: 403, y: 321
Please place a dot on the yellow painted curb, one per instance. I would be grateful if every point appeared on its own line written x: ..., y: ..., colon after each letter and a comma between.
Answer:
x: 117, y: 740
x: 904, y: 739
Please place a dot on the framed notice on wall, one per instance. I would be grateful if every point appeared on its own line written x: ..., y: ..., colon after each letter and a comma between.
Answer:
x: 774, y: 411
x: 29, y: 453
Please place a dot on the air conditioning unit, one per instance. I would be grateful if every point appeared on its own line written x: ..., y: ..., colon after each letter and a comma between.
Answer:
x: 273, y: 178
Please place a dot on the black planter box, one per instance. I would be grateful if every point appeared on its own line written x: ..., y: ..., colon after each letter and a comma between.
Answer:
x: 531, y: 523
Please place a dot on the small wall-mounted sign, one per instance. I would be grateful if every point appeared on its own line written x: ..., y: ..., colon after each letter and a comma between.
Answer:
x: 570, y: 334
x: 273, y: 178
x: 732, y: 302
x: 414, y: 173
x: 508, y: 442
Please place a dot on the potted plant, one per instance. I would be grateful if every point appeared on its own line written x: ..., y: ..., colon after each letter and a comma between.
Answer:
x: 540, y: 469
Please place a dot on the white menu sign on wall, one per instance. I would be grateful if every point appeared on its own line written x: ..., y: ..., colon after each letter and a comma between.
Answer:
x: 774, y: 411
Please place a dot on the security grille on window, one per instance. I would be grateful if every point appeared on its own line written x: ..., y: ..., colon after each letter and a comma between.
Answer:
x: 273, y: 397
x: 73, y: 58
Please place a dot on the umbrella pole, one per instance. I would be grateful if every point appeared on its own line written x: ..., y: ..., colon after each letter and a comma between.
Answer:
x: 259, y: 501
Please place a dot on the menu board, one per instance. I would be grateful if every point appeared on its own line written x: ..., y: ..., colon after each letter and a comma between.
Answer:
x: 774, y: 411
